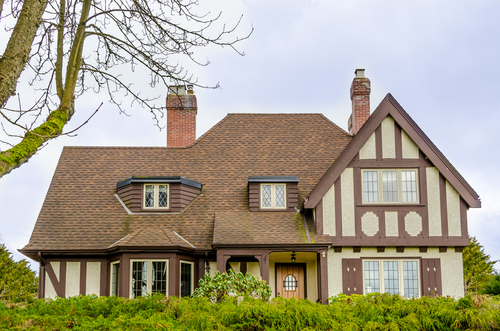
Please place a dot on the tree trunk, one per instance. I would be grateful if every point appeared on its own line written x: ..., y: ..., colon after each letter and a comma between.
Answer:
x: 18, y: 49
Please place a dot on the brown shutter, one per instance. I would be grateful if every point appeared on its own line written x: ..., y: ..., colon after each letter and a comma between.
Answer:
x: 352, y: 276
x: 431, y: 277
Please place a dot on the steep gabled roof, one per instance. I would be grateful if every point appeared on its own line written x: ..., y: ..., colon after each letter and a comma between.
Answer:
x: 389, y: 106
x: 81, y: 213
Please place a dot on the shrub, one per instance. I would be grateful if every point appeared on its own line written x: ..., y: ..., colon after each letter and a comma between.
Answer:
x: 223, y: 284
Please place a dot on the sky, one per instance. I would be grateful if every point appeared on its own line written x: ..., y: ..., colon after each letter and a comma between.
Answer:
x: 439, y: 59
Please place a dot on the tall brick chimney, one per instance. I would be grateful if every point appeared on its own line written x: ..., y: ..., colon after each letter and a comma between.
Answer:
x: 181, y: 116
x: 360, y: 98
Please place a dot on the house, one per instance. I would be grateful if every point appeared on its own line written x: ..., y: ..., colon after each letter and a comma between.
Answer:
x: 292, y: 198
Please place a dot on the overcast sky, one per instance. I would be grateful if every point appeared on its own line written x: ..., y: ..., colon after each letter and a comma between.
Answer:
x: 439, y: 59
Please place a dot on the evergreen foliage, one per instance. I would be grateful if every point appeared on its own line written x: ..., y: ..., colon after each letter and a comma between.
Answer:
x: 17, y: 281
x: 478, y: 269
x: 493, y: 286
x: 370, y: 312
x: 223, y: 284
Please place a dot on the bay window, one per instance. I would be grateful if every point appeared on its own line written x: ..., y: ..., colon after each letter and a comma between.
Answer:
x: 148, y: 276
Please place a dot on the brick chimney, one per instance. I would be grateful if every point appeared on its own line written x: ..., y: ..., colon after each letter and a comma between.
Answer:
x: 360, y: 98
x: 181, y: 116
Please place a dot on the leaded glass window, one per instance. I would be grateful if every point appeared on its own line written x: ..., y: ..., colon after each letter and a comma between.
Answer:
x: 266, y: 196
x: 159, y: 277
x: 280, y: 196
x: 391, y: 277
x: 390, y: 186
x: 410, y: 276
x: 370, y: 186
x: 115, y: 276
x: 156, y: 196
x: 186, y: 279
x: 372, y: 277
x: 409, y: 185
x: 150, y: 196
x: 139, y: 278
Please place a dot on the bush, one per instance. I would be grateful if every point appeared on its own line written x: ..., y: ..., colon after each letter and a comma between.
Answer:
x: 233, y: 284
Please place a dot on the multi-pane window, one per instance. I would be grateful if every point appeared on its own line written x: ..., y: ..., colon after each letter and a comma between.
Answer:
x: 156, y: 196
x: 148, y: 276
x: 290, y: 283
x: 115, y: 279
x: 390, y: 186
x: 187, y: 280
x: 273, y: 196
x: 392, y: 276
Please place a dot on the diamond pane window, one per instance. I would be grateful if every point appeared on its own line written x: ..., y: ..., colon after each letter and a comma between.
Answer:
x: 280, y: 196
x: 266, y: 196
x: 273, y: 196
x: 150, y: 196
x: 156, y: 196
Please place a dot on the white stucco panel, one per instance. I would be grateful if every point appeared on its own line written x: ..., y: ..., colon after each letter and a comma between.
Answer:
x: 347, y: 188
x: 413, y: 223
x: 391, y: 224
x: 329, y: 212
x: 213, y: 268
x: 453, y: 205
x: 50, y: 292
x: 369, y: 223
x: 368, y: 151
x: 93, y: 285
x: 253, y: 268
x: 409, y: 148
x: 433, y: 201
x: 388, y: 138
x: 72, y: 279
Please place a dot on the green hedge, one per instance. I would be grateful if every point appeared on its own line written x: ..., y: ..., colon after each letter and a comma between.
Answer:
x: 371, y: 312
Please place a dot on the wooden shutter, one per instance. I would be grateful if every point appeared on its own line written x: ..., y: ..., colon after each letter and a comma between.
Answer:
x: 352, y: 276
x: 431, y: 277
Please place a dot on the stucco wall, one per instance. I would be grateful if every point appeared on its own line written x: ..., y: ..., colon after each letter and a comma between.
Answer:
x: 72, y: 279
x: 388, y: 138
x: 433, y: 201
x: 409, y: 148
x: 329, y: 212
x: 50, y: 292
x: 453, y: 205
x: 368, y: 151
x: 93, y: 278
x: 347, y: 189
x: 451, y: 266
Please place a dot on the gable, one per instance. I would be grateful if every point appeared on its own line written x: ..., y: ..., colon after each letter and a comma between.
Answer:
x: 404, y: 146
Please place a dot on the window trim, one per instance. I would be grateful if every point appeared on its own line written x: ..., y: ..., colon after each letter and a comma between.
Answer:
x: 380, y: 188
x: 117, y: 294
x: 273, y: 196
x: 156, y: 194
x: 149, y: 275
x: 400, y: 274
x: 192, y: 276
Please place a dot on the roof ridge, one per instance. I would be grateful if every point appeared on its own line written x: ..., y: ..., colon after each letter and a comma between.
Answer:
x: 335, y: 125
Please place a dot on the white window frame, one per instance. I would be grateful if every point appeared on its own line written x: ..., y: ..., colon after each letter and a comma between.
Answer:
x: 156, y: 195
x: 400, y: 274
x: 380, y: 186
x: 192, y: 275
x: 273, y: 195
x: 149, y: 274
x: 111, y: 279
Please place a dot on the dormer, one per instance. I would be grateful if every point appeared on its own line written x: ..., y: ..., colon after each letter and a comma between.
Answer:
x: 272, y: 193
x: 157, y: 194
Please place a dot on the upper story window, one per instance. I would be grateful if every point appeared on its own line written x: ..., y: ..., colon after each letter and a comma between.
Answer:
x: 156, y: 196
x: 390, y: 186
x: 273, y: 196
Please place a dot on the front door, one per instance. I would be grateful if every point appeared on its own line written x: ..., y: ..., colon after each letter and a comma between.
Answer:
x: 290, y: 281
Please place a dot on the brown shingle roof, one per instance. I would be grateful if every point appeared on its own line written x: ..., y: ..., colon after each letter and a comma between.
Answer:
x: 81, y: 211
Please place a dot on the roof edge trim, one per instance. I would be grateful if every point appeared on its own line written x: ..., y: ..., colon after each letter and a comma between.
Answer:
x: 159, y: 179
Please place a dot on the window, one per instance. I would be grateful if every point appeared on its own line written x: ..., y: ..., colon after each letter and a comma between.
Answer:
x: 273, y: 196
x: 115, y: 279
x: 148, y: 276
x: 187, y: 280
x: 156, y: 196
x: 392, y: 276
x: 390, y: 186
x: 290, y: 283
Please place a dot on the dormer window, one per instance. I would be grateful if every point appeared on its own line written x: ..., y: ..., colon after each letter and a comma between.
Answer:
x: 273, y: 196
x: 272, y: 193
x: 156, y: 196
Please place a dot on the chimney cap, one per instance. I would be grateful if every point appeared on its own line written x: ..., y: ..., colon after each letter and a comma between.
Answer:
x: 177, y: 89
x: 360, y: 73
